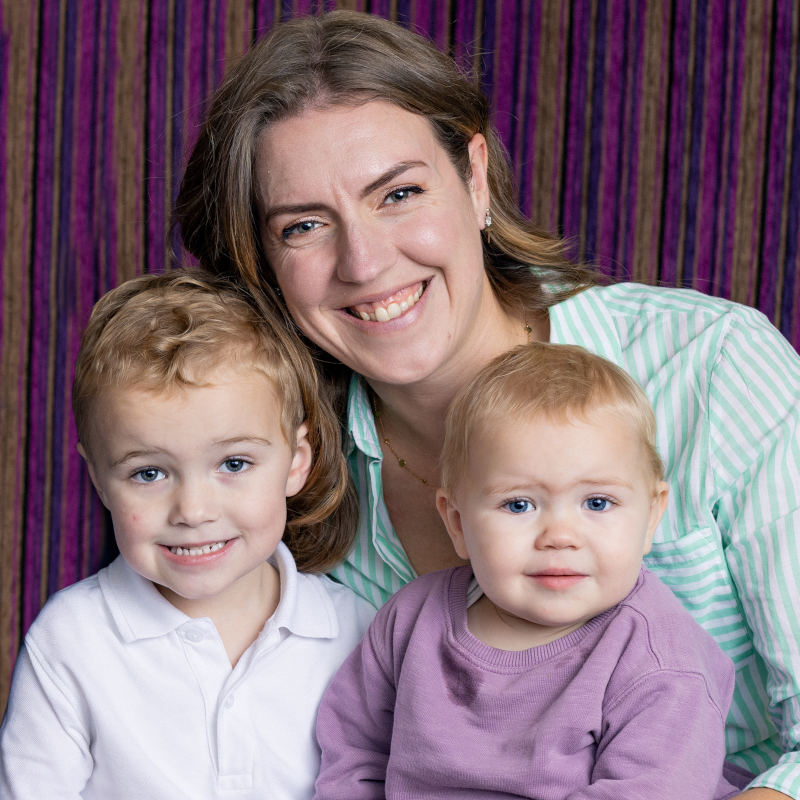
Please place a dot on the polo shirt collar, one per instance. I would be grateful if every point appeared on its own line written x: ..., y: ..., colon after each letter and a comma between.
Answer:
x: 141, y: 612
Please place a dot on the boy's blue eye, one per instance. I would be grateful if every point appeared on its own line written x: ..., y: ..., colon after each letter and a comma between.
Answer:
x: 598, y: 504
x: 148, y: 475
x: 519, y: 506
x: 234, y: 465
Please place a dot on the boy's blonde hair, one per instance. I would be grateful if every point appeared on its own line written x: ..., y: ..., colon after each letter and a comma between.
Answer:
x: 159, y: 332
x: 558, y: 381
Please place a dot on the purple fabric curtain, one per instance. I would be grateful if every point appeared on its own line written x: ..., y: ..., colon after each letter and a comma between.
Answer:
x: 662, y: 135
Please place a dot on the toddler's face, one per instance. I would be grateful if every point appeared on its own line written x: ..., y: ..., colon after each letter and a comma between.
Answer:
x: 555, y: 518
x: 196, y: 480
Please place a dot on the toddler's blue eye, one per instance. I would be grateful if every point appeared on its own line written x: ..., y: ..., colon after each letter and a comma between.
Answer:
x: 234, y: 465
x: 148, y: 475
x: 519, y: 506
x: 598, y: 503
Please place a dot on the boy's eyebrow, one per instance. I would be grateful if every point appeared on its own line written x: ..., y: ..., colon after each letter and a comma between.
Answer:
x: 156, y: 453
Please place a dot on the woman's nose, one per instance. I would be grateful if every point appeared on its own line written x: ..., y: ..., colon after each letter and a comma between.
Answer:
x: 193, y: 504
x: 364, y: 251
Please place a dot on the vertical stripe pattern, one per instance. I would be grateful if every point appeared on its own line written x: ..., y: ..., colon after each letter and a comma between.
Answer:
x: 662, y: 135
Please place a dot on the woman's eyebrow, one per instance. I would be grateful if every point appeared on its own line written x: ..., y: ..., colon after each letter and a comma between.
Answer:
x: 390, y: 175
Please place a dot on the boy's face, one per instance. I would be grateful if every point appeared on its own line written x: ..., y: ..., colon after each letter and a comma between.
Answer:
x: 196, y: 480
x: 555, y: 517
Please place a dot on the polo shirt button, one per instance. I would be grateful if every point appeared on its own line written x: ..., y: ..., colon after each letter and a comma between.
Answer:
x: 229, y: 701
x: 193, y: 636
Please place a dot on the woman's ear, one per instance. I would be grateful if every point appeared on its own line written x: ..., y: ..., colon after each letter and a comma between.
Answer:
x: 479, y: 181
x: 301, y: 462
x: 452, y: 521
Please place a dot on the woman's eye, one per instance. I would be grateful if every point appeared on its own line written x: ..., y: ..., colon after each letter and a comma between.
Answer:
x: 305, y: 226
x: 403, y: 193
x: 234, y: 465
x: 148, y: 475
x: 519, y: 506
x: 598, y: 504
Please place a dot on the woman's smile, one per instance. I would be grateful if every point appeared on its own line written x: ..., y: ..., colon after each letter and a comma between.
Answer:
x: 376, y: 241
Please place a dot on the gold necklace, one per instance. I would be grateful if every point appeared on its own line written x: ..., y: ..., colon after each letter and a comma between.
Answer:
x: 401, y: 462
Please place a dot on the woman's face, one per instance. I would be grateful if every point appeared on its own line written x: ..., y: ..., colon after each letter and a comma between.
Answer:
x: 375, y: 238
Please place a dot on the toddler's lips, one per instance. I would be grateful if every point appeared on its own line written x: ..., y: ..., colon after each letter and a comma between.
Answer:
x: 557, y: 579
x: 199, y: 550
x: 391, y: 307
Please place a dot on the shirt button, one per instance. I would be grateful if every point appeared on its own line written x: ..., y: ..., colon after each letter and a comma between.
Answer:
x: 193, y: 636
x: 229, y: 701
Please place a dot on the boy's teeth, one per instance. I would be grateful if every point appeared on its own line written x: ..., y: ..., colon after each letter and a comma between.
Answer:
x: 392, y: 310
x: 197, y: 551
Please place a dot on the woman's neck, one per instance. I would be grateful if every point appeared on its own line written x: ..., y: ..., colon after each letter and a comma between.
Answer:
x: 415, y: 413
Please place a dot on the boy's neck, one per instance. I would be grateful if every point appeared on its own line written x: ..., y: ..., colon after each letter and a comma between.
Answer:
x: 240, y: 613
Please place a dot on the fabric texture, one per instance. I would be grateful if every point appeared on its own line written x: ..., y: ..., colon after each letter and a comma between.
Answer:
x: 662, y: 136
x: 726, y: 391
x: 424, y: 709
x: 118, y: 694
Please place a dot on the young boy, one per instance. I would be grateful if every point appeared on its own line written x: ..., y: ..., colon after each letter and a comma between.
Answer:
x: 193, y: 665
x: 565, y: 669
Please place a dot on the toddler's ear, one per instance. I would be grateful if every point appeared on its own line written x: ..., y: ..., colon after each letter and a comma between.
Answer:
x: 301, y: 462
x: 452, y: 521
x: 90, y: 467
x: 657, y: 508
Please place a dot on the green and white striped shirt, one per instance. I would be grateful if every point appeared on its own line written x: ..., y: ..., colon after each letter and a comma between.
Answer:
x: 726, y: 390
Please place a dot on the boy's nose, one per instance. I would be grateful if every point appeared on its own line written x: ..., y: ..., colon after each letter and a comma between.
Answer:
x: 193, y: 504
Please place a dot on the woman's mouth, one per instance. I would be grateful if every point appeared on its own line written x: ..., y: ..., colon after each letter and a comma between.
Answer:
x: 391, y: 307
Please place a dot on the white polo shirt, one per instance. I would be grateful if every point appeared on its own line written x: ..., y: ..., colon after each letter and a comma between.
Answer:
x: 118, y: 694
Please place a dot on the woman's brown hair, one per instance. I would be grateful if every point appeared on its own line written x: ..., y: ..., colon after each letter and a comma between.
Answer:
x: 346, y: 57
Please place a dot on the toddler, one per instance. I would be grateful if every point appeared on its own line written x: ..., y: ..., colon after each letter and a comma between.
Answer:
x: 192, y: 666
x: 555, y: 665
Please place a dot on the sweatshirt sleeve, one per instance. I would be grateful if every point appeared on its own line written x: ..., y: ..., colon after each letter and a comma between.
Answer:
x: 354, y: 725
x: 662, y: 739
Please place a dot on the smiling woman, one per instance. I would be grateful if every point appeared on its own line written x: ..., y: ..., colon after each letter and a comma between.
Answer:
x: 349, y: 171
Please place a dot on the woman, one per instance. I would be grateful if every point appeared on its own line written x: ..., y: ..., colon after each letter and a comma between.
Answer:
x: 348, y: 170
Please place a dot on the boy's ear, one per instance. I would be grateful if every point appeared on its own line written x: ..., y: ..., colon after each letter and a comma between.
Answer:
x: 658, y: 506
x: 301, y: 462
x: 452, y: 521
x: 90, y: 467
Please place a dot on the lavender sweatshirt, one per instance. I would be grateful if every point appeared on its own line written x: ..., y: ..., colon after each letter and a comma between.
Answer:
x: 631, y: 705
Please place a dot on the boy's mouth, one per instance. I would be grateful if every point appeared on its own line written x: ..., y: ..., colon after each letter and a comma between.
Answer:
x: 203, y: 550
x: 390, y: 307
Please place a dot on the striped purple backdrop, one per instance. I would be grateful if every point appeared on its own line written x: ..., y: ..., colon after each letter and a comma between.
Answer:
x: 662, y: 135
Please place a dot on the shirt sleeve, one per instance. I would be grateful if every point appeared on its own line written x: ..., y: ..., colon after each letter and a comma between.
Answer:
x: 354, y: 725
x: 754, y: 406
x: 662, y: 738
x: 43, y: 749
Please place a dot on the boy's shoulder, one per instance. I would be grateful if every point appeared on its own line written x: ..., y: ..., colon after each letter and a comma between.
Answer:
x: 349, y: 609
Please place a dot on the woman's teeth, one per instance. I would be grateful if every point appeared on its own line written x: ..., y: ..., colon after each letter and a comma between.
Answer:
x: 383, y: 313
x: 197, y: 551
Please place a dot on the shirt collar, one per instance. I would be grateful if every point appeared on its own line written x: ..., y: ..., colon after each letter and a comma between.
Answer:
x: 362, y: 431
x: 585, y: 319
x: 141, y: 612
x: 305, y: 608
